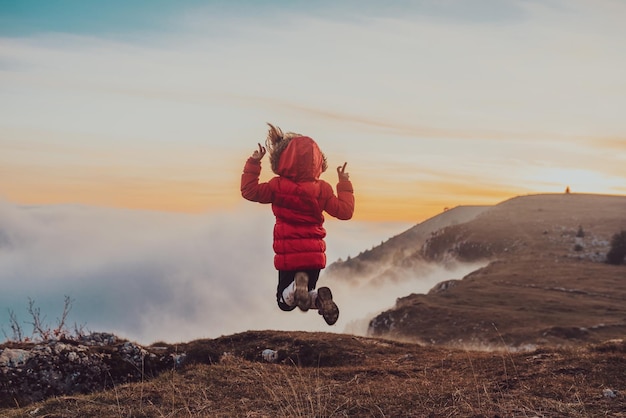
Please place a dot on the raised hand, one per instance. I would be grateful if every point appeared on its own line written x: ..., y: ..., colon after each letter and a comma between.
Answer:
x: 341, y: 172
x: 259, y: 153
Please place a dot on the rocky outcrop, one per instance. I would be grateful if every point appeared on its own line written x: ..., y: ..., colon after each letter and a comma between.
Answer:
x: 31, y: 372
x: 443, y: 286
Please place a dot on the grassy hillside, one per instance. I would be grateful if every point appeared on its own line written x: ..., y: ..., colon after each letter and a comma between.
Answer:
x: 546, y: 282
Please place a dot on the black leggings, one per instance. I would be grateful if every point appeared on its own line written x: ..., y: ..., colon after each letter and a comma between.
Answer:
x: 286, y: 277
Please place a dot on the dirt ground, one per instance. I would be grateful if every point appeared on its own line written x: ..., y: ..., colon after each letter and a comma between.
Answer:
x: 334, y: 375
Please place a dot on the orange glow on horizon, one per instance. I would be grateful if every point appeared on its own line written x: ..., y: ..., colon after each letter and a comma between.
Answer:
x: 201, y: 197
x: 396, y: 196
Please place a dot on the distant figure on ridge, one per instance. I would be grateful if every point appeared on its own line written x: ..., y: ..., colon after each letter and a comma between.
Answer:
x: 298, y: 197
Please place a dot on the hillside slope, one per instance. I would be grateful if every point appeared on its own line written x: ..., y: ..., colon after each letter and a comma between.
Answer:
x: 546, y: 282
x: 392, y: 259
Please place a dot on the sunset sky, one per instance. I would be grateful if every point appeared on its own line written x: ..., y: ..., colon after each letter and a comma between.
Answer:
x: 107, y: 106
x: 156, y: 104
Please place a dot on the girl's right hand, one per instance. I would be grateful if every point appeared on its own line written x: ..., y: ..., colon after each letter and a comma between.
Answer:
x: 341, y: 172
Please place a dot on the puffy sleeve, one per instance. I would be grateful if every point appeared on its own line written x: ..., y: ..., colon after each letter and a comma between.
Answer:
x: 251, y: 189
x: 340, y: 206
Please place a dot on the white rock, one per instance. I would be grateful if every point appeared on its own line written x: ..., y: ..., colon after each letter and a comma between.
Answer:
x: 609, y: 393
x: 269, y: 355
x: 14, y: 357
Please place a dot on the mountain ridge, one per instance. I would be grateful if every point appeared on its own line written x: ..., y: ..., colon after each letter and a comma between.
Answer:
x: 392, y: 257
x: 546, y: 282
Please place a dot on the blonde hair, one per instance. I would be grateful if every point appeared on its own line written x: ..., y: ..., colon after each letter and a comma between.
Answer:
x: 277, y: 141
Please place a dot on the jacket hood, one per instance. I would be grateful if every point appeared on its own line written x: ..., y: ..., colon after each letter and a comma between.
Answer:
x: 301, y: 160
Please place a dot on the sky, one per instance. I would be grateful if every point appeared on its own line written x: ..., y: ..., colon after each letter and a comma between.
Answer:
x: 124, y: 127
x: 156, y: 104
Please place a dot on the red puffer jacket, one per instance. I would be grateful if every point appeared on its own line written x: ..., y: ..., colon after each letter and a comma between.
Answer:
x: 298, y: 198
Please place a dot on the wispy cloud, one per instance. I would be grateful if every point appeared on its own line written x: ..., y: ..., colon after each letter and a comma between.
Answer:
x: 157, y: 276
x: 494, y: 92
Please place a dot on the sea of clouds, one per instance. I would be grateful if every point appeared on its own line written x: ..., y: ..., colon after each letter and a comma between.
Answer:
x: 154, y: 276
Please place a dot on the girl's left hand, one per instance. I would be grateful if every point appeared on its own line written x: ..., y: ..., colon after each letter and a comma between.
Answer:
x: 258, y: 154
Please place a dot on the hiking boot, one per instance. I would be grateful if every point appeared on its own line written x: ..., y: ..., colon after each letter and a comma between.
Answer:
x: 325, y: 305
x: 301, y: 291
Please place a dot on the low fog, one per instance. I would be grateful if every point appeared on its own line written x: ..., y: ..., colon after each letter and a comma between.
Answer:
x: 153, y: 276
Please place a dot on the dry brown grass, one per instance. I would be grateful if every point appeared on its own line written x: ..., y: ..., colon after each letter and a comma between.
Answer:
x: 391, y: 380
